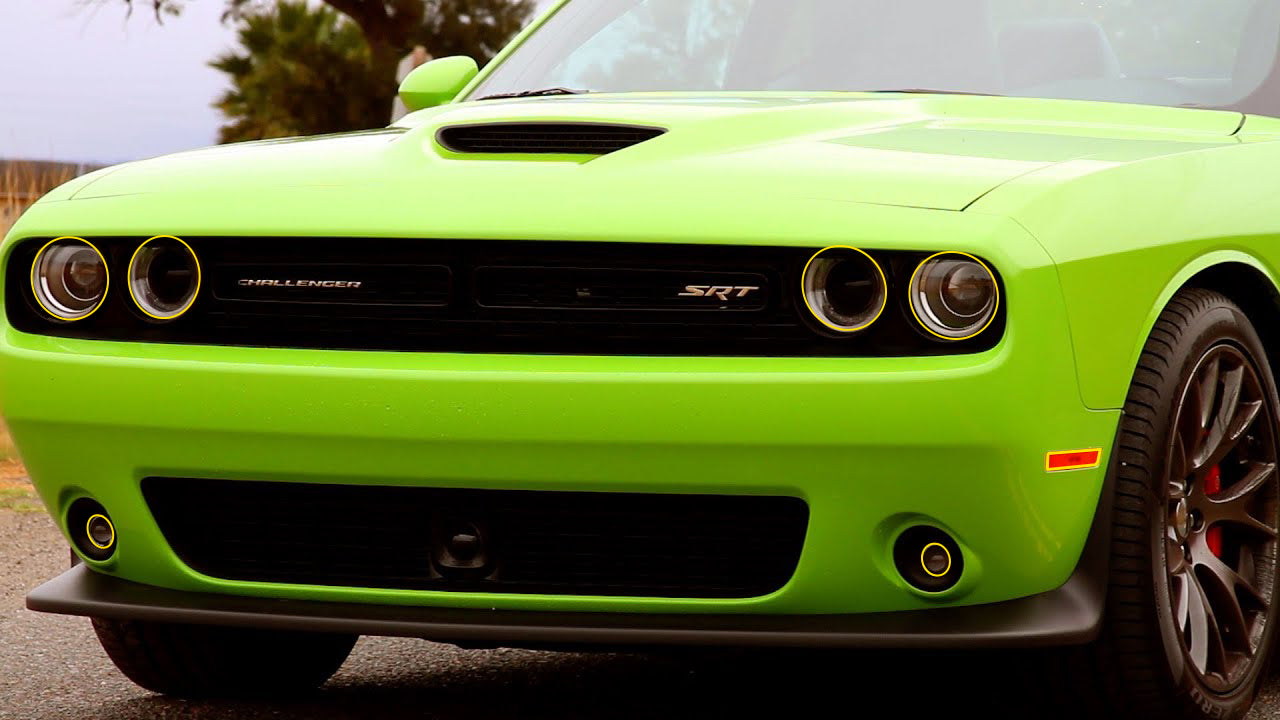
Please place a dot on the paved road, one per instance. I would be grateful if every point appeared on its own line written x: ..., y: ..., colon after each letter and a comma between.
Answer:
x: 51, y: 668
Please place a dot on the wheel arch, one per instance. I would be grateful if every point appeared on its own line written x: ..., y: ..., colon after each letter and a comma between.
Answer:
x: 1242, y: 278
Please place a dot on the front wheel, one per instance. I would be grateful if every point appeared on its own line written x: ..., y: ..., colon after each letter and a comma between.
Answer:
x: 1189, y: 617
x: 207, y: 661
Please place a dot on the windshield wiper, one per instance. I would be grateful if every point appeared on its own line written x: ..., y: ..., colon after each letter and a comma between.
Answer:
x: 544, y: 92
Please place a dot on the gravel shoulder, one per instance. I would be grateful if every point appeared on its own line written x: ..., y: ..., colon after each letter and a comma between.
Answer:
x: 51, y: 668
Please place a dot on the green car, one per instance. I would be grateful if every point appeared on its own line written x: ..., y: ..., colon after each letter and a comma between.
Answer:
x: 729, y: 323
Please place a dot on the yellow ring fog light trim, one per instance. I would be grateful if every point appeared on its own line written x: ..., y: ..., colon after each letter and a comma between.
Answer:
x: 106, y: 287
x: 89, y: 535
x: 884, y: 288
x: 995, y: 309
x: 925, y: 567
x: 129, y: 279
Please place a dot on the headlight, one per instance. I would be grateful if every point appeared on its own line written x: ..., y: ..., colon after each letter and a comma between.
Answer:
x: 845, y: 289
x: 164, y: 277
x: 954, y: 295
x: 69, y: 278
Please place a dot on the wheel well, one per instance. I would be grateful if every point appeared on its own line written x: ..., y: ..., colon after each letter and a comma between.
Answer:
x: 1254, y: 292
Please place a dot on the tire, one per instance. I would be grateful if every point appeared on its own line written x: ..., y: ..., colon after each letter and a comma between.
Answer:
x: 1172, y: 644
x: 197, y: 661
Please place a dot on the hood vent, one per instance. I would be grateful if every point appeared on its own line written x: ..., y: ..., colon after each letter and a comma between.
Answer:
x: 544, y: 138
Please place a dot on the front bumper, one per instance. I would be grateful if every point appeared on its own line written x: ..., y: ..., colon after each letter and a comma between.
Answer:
x: 871, y: 444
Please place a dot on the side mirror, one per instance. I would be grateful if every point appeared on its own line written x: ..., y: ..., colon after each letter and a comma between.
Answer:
x: 437, y: 82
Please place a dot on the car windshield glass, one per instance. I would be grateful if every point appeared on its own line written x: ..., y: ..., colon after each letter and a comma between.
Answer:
x: 1201, y: 53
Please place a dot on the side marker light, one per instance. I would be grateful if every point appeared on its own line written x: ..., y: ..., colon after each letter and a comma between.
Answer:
x: 1072, y: 460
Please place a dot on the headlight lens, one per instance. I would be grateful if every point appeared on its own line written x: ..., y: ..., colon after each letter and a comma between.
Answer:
x: 164, y: 277
x: 954, y: 295
x: 69, y: 278
x: 845, y: 289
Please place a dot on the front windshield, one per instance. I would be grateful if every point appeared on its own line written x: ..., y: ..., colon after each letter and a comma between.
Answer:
x: 1199, y: 53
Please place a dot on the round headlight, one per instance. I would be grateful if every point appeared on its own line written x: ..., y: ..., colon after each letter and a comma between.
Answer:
x: 954, y: 295
x: 845, y: 289
x: 164, y: 277
x: 69, y: 278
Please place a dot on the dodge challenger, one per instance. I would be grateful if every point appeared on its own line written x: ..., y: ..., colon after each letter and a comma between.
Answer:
x: 720, y: 323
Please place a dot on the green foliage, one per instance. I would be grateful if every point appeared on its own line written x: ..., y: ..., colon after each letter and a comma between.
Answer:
x: 306, y: 68
x: 301, y: 71
x: 475, y: 28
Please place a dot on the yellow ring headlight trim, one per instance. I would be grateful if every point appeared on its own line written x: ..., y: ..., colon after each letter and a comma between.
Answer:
x: 925, y: 567
x: 995, y: 310
x: 884, y: 287
x: 129, y: 279
x: 89, y: 535
x: 106, y: 287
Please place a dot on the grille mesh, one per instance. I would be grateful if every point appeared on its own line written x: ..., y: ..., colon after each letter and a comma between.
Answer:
x: 623, y: 544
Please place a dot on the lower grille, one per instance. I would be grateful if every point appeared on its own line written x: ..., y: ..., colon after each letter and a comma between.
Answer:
x: 621, y: 544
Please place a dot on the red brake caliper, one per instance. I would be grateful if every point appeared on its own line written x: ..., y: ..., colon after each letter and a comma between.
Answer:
x: 1212, y: 486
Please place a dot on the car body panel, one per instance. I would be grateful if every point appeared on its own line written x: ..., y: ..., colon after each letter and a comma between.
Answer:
x: 1127, y: 235
x: 1090, y: 213
x: 917, y: 151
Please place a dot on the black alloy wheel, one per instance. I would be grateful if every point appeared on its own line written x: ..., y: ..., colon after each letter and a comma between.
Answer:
x: 1193, y: 506
x: 1221, y: 524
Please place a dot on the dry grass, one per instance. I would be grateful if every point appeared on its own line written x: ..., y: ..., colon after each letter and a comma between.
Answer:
x: 21, y: 184
x: 16, y: 492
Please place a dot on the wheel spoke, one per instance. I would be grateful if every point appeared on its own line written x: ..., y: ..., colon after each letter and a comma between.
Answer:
x: 1219, y: 584
x: 1206, y: 390
x: 1258, y: 473
x: 1231, y: 385
x: 1236, y: 514
x: 1229, y: 423
x: 1232, y: 581
x: 1204, y: 641
x: 1223, y: 437
x: 1173, y: 552
x: 1181, y: 596
x: 1178, y: 469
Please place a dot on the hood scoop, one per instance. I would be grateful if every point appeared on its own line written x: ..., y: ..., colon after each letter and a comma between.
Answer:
x: 543, y: 138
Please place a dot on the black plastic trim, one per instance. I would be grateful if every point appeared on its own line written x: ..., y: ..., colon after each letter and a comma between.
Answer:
x: 558, y: 140
x: 1065, y: 616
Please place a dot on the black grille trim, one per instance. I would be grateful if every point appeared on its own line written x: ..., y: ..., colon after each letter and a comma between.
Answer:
x: 493, y: 296
x: 543, y: 138
x: 558, y: 543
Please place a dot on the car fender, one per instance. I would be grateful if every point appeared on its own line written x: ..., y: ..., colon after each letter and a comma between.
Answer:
x: 1127, y: 235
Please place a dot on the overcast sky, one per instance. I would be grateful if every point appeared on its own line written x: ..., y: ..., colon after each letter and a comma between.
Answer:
x: 85, y: 84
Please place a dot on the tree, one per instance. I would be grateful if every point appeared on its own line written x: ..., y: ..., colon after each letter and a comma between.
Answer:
x: 301, y: 71
x: 389, y: 28
x: 392, y: 27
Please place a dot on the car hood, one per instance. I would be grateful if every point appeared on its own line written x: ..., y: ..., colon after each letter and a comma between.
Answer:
x: 929, y: 151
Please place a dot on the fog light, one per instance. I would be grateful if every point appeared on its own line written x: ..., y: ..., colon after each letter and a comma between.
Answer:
x: 101, y: 533
x: 164, y: 277
x: 91, y: 529
x: 928, y: 559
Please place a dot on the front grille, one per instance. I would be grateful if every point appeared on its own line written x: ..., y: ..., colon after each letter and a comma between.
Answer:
x: 423, y: 295
x: 620, y: 544
x: 544, y: 138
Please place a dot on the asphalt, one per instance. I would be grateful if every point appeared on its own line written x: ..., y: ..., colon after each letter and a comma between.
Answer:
x: 51, y: 668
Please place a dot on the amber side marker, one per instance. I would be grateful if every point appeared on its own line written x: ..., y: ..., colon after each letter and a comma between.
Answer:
x: 1073, y: 460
